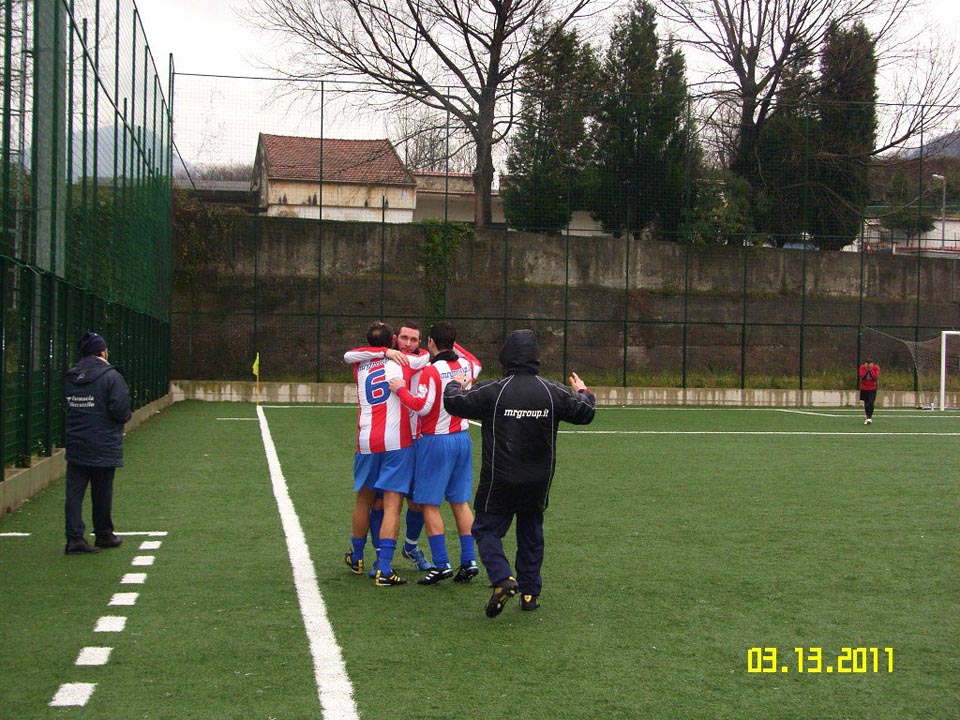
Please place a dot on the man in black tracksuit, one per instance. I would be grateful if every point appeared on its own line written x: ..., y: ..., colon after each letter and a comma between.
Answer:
x: 98, y: 406
x: 520, y: 414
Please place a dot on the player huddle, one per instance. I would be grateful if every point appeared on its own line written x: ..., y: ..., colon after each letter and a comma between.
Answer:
x: 409, y: 446
x: 412, y: 442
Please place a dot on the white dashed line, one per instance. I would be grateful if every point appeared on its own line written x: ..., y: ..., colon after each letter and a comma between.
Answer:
x: 110, y: 623
x: 124, y: 599
x: 73, y: 694
x: 143, y: 560
x: 94, y: 656
x: 150, y: 545
x: 133, y: 579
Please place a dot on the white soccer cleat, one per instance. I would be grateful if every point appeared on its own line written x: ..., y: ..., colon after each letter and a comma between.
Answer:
x: 867, y: 421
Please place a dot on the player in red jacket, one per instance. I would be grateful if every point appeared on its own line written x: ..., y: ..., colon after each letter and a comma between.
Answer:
x: 869, y: 373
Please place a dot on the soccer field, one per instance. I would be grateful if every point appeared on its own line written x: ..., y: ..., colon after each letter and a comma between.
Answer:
x: 684, y: 548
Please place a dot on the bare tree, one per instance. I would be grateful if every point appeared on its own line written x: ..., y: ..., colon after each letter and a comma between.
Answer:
x: 428, y: 140
x: 756, y: 43
x: 455, y: 56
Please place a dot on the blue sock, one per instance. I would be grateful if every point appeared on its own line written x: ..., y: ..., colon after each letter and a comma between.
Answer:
x: 414, y: 528
x: 438, y: 550
x: 358, y: 545
x: 467, y: 552
x: 385, y: 559
x: 376, y: 520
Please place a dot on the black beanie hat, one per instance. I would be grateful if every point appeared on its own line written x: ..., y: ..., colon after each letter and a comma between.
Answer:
x: 91, y: 344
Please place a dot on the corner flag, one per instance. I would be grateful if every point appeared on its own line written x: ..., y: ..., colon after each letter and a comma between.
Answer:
x: 256, y: 366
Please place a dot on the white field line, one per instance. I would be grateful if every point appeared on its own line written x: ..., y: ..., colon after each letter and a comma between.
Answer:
x: 235, y: 418
x: 308, y: 406
x: 93, y: 656
x: 147, y: 533
x: 151, y: 544
x: 864, y: 433
x: 143, y: 560
x: 110, y: 623
x: 123, y: 599
x: 14, y: 534
x: 333, y: 684
x: 73, y: 695
x: 133, y: 579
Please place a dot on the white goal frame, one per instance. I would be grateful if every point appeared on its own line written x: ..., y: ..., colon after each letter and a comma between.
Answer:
x: 943, y: 365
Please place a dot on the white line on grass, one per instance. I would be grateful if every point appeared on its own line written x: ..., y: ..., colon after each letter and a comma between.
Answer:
x: 308, y: 406
x: 333, y: 684
x: 226, y: 418
x: 864, y: 433
x: 143, y: 560
x: 14, y: 534
x: 147, y: 533
x: 133, y: 579
x: 110, y: 623
x: 93, y: 656
x: 151, y: 544
x: 124, y: 599
x: 73, y: 694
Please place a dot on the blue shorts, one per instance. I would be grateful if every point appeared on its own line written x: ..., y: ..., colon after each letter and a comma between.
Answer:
x: 390, y: 471
x: 444, y: 469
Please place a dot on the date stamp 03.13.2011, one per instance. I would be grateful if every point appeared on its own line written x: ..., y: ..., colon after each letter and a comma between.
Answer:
x: 813, y: 660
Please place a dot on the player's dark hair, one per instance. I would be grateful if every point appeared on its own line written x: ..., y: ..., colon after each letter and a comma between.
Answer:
x: 443, y: 335
x: 411, y: 325
x: 379, y: 334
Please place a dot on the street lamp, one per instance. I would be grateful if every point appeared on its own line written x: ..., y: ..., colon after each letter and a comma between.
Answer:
x: 943, y: 210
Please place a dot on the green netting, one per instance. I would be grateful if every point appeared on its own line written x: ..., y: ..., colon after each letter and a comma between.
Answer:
x: 86, y: 208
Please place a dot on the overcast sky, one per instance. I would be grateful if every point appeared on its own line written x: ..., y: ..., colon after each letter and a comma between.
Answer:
x: 218, y: 120
x: 208, y: 36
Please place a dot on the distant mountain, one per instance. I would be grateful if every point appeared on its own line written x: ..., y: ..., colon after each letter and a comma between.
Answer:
x: 945, y: 146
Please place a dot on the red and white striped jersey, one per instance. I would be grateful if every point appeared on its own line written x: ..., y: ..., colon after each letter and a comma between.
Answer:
x: 428, y: 403
x: 382, y: 422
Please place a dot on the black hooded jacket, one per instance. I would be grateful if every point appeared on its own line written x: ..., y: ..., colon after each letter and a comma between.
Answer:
x: 519, y: 417
x: 98, y: 405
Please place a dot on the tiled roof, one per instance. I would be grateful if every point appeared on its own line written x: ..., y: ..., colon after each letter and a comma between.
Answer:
x: 346, y: 161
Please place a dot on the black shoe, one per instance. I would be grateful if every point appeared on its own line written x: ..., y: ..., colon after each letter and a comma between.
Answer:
x: 436, y: 575
x: 355, y: 567
x: 381, y: 580
x: 529, y: 602
x: 501, y: 593
x: 79, y: 547
x: 109, y: 541
x: 466, y: 573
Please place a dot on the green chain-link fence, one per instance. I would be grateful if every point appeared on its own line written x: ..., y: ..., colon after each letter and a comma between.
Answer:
x: 657, y: 261
x: 86, y: 202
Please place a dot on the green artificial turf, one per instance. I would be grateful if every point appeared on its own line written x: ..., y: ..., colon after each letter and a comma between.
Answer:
x: 676, y: 541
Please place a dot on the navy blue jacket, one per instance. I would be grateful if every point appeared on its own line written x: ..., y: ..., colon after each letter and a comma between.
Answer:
x: 519, y: 415
x: 98, y: 405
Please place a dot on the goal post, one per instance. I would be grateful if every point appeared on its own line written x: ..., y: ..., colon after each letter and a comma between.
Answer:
x: 935, y: 363
x: 945, y: 361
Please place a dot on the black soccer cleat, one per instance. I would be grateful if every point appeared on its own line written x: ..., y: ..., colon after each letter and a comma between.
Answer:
x: 466, y: 573
x: 356, y: 567
x: 529, y: 602
x: 436, y: 575
x: 381, y: 580
x: 501, y: 594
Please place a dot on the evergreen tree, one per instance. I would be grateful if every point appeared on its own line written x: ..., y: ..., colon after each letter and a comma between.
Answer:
x: 643, y: 139
x: 848, y: 128
x: 548, y: 158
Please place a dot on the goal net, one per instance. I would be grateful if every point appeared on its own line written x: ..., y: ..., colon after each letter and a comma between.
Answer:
x: 937, y: 365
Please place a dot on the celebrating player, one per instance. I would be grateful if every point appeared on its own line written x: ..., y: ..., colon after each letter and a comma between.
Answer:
x: 444, y: 465
x: 384, y: 457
